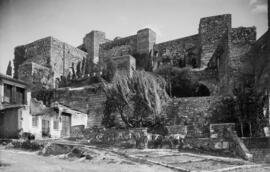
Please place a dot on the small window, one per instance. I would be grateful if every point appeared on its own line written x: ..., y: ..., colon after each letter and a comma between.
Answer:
x: 56, y: 125
x: 20, y: 95
x: 7, y: 93
x: 35, y: 121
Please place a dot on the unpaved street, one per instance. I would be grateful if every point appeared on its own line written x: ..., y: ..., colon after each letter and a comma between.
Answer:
x: 113, y: 159
x: 23, y: 161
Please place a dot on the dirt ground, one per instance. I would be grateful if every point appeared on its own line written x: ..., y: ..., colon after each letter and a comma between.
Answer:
x: 122, y: 160
x: 23, y: 161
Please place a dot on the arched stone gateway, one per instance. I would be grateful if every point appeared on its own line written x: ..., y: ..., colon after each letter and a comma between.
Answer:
x: 195, y: 90
x: 202, y: 91
x: 211, y: 86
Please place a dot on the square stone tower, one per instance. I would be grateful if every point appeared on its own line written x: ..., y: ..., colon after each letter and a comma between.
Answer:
x: 92, y: 41
x: 146, y: 38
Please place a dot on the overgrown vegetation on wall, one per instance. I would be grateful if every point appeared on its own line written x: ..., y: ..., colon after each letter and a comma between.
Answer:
x: 87, y: 72
x: 249, y: 110
x: 181, y: 82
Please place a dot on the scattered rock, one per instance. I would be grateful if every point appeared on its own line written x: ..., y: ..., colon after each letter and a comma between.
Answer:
x: 76, y: 152
x: 89, y: 157
x: 56, y: 149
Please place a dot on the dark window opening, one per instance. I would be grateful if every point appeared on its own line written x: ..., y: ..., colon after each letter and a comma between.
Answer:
x: 193, y: 63
x: 20, y: 97
x: 7, y: 93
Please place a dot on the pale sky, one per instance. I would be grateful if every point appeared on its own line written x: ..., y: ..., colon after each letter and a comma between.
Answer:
x: 24, y: 21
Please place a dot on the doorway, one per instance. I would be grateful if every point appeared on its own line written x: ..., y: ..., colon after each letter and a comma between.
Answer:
x: 66, y: 124
x: 45, y: 128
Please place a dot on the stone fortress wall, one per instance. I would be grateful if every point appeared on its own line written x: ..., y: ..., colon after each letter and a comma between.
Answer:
x: 48, y: 53
x: 217, y: 55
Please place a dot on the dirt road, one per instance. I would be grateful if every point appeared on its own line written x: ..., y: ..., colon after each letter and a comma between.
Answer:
x: 122, y: 160
x: 23, y: 161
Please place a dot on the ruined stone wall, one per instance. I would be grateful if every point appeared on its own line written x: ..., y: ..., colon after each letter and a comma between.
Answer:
x: 36, y: 76
x: 140, y: 46
x: 37, y: 52
x: 230, y: 58
x: 62, y: 57
x: 180, y: 50
x: 119, y: 47
x: 220, y: 63
x: 211, y: 31
x: 260, y: 60
x: 242, y: 40
x: 48, y: 52
x: 195, y: 112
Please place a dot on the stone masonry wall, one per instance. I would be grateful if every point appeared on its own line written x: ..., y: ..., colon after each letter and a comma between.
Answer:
x: 139, y: 46
x: 195, y: 112
x: 88, y: 100
x: 242, y: 41
x: 220, y: 63
x: 209, y: 78
x: 260, y: 55
x: 37, y: 52
x: 180, y: 50
x: 119, y: 47
x: 62, y: 57
x: 36, y: 76
x: 91, y: 43
x: 48, y: 52
x: 211, y: 31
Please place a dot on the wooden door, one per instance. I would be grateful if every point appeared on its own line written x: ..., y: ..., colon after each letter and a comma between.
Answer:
x: 66, y: 124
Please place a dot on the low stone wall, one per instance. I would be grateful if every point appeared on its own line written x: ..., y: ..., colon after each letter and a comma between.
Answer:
x: 195, y: 112
x: 210, y: 144
x: 223, y: 139
x: 129, y: 138
x: 219, y: 139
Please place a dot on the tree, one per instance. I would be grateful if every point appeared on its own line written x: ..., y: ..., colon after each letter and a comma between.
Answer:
x: 9, y: 69
x: 248, y: 107
x: 84, y: 66
x: 139, y: 99
x: 78, y: 70
x: 73, y: 71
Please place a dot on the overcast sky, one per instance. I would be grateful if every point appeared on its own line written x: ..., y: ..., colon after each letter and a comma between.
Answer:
x: 24, y: 21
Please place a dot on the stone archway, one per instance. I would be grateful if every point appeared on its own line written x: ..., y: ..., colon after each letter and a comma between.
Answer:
x: 211, y: 86
x: 194, y: 90
x: 202, y: 91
